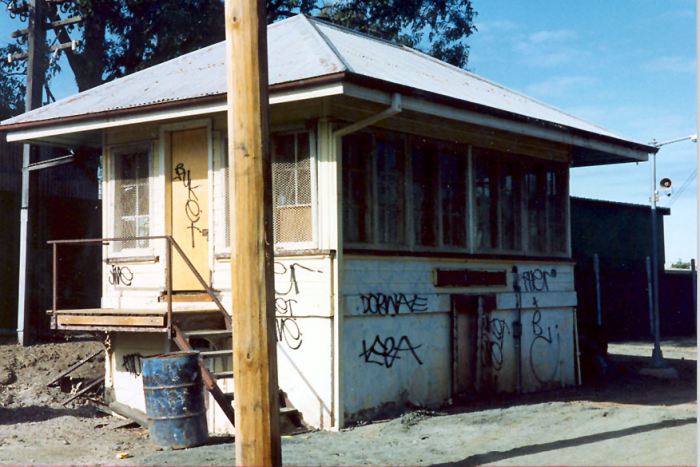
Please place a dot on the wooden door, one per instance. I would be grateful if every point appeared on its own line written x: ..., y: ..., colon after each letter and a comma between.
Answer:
x: 464, y: 344
x: 189, y: 206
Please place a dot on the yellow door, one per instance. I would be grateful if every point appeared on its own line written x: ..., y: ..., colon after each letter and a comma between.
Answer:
x: 189, y: 206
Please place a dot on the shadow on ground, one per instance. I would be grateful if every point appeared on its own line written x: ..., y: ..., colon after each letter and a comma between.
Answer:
x: 12, y: 416
x: 498, y: 456
x: 622, y: 385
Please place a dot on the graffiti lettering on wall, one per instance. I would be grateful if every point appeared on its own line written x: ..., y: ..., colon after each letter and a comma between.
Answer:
x: 384, y: 352
x: 494, y: 331
x: 192, y: 209
x: 288, y: 330
x: 132, y: 363
x: 542, y: 347
x: 120, y: 275
x: 287, y: 327
x: 535, y: 280
x: 392, y: 304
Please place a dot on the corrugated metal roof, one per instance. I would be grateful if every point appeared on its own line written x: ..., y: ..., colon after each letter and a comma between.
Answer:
x: 300, y: 48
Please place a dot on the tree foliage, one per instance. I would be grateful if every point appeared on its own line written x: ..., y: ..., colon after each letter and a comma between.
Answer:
x: 119, y: 37
x: 680, y: 264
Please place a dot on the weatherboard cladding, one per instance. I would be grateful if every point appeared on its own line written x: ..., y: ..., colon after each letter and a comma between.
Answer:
x: 299, y: 49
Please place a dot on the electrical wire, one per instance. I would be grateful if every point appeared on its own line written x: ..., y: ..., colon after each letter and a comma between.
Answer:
x: 684, y: 186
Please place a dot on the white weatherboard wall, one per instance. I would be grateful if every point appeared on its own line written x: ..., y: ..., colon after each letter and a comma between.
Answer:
x: 304, y: 330
x: 127, y: 387
x: 398, y: 326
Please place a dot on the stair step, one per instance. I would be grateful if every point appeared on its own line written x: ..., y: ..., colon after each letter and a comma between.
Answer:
x: 223, y: 374
x: 215, y: 353
x: 222, y: 333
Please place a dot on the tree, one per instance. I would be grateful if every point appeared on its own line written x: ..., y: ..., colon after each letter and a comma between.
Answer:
x: 680, y: 264
x: 118, y: 37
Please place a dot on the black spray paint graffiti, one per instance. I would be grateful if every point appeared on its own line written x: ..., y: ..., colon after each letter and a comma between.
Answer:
x: 392, y: 304
x: 494, y: 331
x: 288, y: 330
x: 120, y: 275
x: 132, y: 363
x: 192, y: 208
x: 540, y: 339
x: 536, y: 280
x: 384, y: 352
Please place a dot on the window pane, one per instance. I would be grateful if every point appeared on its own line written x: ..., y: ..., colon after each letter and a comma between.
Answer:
x: 291, y: 188
x: 509, y: 197
x: 535, y: 187
x: 357, y: 182
x: 453, y: 198
x: 131, y: 203
x: 425, y: 199
x: 486, y: 201
x: 556, y: 208
x: 390, y: 200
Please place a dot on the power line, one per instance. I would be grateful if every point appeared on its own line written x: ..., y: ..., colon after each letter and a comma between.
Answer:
x: 683, y: 187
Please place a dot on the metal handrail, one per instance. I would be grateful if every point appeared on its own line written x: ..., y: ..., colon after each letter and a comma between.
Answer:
x: 170, y: 241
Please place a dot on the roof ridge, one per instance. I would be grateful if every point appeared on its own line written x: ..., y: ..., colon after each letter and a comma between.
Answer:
x: 505, y: 88
x: 311, y: 22
x: 356, y: 33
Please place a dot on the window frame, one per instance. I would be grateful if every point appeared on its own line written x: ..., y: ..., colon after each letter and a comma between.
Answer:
x: 515, y: 164
x: 221, y: 186
x: 115, y: 151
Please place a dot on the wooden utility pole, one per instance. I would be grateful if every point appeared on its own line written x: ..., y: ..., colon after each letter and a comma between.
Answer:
x: 36, y: 43
x: 254, y: 345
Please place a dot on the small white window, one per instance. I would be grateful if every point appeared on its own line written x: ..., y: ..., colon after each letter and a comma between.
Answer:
x: 131, y: 195
x: 292, y: 188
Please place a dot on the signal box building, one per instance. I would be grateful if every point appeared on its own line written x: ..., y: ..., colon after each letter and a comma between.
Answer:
x: 421, y: 224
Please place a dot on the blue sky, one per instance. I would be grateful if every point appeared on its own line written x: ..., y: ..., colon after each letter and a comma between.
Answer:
x: 627, y: 65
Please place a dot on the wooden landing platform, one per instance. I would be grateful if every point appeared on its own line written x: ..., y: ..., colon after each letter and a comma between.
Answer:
x: 127, y: 320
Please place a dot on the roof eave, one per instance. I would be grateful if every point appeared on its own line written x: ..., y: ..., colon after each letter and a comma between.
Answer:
x: 637, y: 151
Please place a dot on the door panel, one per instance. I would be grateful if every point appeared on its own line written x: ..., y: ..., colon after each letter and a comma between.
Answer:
x: 190, y: 206
x: 464, y: 354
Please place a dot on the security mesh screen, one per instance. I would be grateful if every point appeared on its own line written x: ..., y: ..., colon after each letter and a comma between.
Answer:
x: 131, y: 201
x: 291, y: 188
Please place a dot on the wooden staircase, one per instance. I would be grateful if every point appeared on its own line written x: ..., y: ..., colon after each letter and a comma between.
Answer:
x: 290, y: 418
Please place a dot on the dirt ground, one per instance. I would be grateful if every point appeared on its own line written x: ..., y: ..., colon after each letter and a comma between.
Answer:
x: 626, y: 420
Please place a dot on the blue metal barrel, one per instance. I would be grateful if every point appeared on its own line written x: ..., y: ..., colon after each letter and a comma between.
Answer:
x: 172, y: 384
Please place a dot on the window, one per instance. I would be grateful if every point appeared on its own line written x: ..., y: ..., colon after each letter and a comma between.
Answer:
x: 424, y: 170
x: 291, y: 188
x: 391, y: 180
x: 131, y: 195
x: 389, y: 193
x: 453, y: 197
x: 357, y: 188
x: 497, y: 192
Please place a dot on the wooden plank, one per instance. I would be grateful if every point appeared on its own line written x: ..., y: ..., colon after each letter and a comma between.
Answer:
x: 94, y: 320
x: 254, y: 344
x: 129, y: 412
x: 109, y: 312
x: 74, y: 367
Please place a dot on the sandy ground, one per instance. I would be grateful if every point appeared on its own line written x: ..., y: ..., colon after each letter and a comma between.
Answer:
x: 628, y: 420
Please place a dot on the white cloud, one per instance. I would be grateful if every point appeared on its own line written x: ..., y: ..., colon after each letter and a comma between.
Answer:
x: 559, y: 86
x: 548, y: 48
x: 671, y: 64
x: 496, y: 26
x: 551, y: 36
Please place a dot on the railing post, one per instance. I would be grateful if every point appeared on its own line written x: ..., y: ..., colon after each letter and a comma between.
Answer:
x: 54, y: 276
x: 169, y: 284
